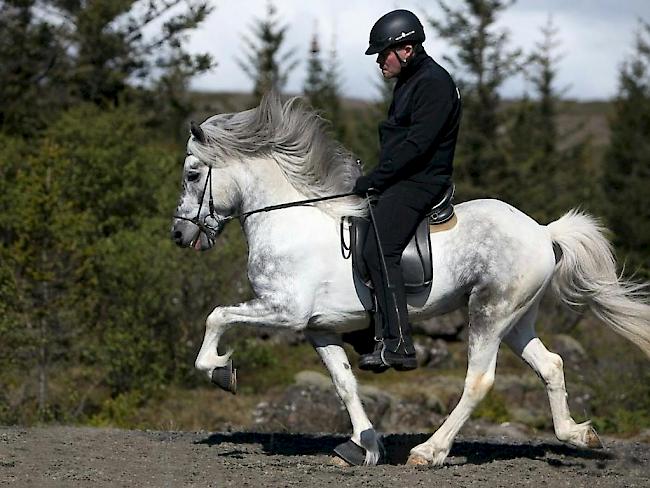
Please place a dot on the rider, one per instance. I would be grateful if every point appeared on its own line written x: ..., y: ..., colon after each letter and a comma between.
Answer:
x: 414, y: 171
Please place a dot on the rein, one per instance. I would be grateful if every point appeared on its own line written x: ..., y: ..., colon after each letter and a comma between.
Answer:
x: 211, y: 232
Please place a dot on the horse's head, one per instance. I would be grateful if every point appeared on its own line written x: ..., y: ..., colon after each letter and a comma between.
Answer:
x: 206, y: 198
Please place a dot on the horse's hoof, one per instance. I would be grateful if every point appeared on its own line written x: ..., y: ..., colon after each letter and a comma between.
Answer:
x: 225, y: 377
x: 341, y: 463
x: 351, y: 453
x: 592, y: 440
x: 417, y: 460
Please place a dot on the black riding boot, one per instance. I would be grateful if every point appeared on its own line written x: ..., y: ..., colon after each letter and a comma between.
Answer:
x: 383, y: 358
x: 392, y: 350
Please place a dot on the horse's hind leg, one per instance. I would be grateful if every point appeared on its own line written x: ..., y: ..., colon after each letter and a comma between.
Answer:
x: 523, y: 340
x: 482, y: 358
x: 330, y: 349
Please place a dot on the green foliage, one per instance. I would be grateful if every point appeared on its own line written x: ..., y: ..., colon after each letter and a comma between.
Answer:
x: 492, y: 408
x: 539, y: 161
x: 119, y: 411
x: 27, y: 71
x: 89, y: 276
x: 322, y: 88
x: 626, y: 173
x: 620, y: 396
x: 482, y: 62
x: 54, y: 54
x: 261, y: 63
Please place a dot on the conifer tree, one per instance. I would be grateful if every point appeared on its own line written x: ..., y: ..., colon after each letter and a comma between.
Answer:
x: 264, y: 62
x: 332, y: 95
x: 97, y: 51
x: 322, y: 88
x: 482, y: 62
x: 542, y: 160
x: 315, y: 81
x: 626, y: 172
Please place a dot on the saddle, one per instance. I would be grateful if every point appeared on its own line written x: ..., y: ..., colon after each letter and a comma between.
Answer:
x: 416, y: 263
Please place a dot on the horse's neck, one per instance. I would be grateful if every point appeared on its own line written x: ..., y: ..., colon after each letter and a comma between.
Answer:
x: 263, y: 185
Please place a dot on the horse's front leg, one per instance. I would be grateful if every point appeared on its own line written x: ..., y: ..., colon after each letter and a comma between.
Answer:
x: 364, y: 437
x: 257, y: 312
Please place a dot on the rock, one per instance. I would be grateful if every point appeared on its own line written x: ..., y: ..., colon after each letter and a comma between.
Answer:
x: 313, y: 378
x: 439, y: 354
x: 409, y: 416
x: 432, y: 353
x: 312, y: 405
x: 568, y: 348
x: 531, y: 418
x: 303, y: 408
x: 435, y: 404
x: 422, y: 351
x: 447, y: 326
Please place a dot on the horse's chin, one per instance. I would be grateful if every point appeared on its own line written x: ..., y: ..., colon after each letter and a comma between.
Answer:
x: 201, y: 242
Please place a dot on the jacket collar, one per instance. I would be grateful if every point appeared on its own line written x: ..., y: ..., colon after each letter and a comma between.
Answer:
x: 413, y: 66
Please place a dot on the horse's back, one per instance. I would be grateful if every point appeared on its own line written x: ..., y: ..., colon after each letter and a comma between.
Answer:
x: 492, y: 245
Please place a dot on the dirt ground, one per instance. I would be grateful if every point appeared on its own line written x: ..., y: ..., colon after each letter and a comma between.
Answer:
x: 68, y: 457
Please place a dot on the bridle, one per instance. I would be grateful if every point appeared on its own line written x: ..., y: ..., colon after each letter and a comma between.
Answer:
x: 211, y: 231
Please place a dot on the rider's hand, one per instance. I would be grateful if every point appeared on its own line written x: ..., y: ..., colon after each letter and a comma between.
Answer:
x: 362, y: 186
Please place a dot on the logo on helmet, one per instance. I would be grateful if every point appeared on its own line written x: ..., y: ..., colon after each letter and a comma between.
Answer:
x: 403, y: 35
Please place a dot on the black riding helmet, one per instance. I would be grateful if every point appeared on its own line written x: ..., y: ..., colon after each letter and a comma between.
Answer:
x: 396, y: 27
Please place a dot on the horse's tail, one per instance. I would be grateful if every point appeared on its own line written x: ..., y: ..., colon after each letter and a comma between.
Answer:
x: 585, y: 274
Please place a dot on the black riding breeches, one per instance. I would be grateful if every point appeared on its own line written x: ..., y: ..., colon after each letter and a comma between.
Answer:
x: 398, y: 211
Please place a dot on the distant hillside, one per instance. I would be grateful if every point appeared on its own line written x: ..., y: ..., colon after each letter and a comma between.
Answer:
x: 576, y: 118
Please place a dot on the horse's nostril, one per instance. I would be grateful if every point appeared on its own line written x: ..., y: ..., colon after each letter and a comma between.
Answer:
x: 177, y: 235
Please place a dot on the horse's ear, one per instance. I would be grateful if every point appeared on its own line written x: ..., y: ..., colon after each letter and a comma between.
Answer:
x: 197, y: 132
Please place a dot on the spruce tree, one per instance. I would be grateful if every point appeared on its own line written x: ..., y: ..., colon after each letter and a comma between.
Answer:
x: 315, y: 83
x: 29, y: 74
x: 540, y: 161
x: 482, y: 62
x: 626, y: 172
x: 97, y: 51
x: 322, y: 88
x: 332, y: 96
x: 263, y: 62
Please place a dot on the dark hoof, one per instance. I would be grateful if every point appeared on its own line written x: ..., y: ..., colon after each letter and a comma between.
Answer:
x: 226, y: 377
x: 351, y: 453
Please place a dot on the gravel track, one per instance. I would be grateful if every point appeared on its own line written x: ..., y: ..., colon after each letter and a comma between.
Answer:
x: 71, y: 456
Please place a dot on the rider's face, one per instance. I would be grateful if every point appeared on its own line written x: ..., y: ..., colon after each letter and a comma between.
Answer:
x: 389, y: 64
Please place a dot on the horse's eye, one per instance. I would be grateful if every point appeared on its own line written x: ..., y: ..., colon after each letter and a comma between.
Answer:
x: 193, y: 176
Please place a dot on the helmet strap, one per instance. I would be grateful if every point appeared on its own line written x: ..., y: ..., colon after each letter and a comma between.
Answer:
x: 403, y: 62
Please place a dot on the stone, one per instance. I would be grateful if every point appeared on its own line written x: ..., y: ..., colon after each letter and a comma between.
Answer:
x: 448, y: 326
x: 568, y: 348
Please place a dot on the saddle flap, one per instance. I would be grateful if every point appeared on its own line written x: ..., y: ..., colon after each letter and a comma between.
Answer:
x: 443, y: 210
x: 416, y: 258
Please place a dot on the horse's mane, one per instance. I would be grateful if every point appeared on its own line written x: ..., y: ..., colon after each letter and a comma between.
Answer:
x: 296, y: 138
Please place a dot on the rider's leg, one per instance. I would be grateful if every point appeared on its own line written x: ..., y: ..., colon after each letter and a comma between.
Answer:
x: 397, y: 214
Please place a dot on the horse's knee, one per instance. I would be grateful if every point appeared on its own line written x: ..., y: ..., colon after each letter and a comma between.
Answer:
x: 476, y: 387
x: 215, y: 320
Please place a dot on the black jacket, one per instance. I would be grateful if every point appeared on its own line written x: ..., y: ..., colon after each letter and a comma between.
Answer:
x: 419, y: 137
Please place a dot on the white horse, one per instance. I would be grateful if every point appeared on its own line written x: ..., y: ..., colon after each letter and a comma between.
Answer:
x: 496, y: 259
